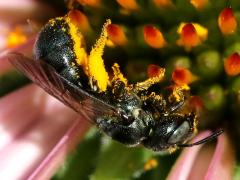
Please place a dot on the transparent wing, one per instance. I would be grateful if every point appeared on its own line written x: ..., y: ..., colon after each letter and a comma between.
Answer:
x: 71, y: 95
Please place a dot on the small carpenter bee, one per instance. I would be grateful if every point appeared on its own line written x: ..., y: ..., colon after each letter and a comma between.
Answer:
x: 132, y: 114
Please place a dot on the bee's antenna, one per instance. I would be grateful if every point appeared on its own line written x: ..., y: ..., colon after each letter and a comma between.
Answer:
x: 204, y: 140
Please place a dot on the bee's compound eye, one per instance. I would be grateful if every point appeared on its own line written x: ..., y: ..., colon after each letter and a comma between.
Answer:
x: 180, y: 133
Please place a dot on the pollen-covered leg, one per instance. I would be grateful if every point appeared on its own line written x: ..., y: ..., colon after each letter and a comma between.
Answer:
x: 141, y: 86
x: 175, y: 106
x: 96, y: 68
x: 130, y: 135
x: 155, y: 102
x: 179, y: 93
x: 177, y: 98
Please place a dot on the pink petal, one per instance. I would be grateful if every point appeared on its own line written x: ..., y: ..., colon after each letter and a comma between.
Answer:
x: 205, y: 161
x: 4, y: 29
x: 36, y: 131
x: 26, y: 49
x: 13, y: 11
x: 223, y: 161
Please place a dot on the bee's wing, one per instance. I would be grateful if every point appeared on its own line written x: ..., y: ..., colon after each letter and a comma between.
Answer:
x: 46, y: 77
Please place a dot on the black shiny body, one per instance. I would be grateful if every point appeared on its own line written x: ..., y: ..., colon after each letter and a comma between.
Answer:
x: 138, y: 122
x: 55, y: 46
x: 128, y: 113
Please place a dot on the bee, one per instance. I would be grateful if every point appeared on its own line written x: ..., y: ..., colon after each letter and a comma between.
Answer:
x: 131, y: 114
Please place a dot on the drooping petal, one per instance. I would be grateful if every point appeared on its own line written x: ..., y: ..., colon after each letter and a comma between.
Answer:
x: 12, y: 11
x: 205, y: 161
x: 14, y: 18
x: 36, y: 133
x: 25, y: 48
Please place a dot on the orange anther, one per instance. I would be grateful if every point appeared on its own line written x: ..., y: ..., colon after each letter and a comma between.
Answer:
x: 182, y: 76
x: 128, y: 4
x: 153, y: 37
x: 227, y: 21
x: 79, y: 19
x: 154, y: 70
x: 232, y: 64
x: 116, y: 34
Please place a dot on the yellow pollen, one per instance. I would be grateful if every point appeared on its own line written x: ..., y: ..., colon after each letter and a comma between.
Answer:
x: 150, y: 81
x: 178, y: 92
x: 96, y: 68
x: 172, y: 149
x: 150, y: 164
x: 117, y: 74
x: 78, y: 48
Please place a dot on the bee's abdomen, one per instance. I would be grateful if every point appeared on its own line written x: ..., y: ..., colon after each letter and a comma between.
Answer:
x: 54, y: 45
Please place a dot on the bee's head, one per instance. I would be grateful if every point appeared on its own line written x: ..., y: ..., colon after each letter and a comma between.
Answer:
x: 170, y: 130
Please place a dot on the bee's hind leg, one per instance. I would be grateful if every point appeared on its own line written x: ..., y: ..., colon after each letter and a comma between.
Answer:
x: 130, y: 135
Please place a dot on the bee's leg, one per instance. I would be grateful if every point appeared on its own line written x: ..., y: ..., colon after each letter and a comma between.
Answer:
x: 175, y: 106
x: 177, y: 98
x: 119, y: 89
x: 145, y: 85
x: 130, y: 135
x: 156, y: 102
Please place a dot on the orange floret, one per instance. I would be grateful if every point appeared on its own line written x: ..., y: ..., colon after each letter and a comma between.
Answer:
x: 227, y: 21
x: 79, y: 19
x: 199, y: 4
x: 232, y: 64
x: 128, y: 4
x: 183, y: 76
x: 154, y: 70
x: 116, y: 34
x: 163, y: 3
x: 153, y: 37
x: 191, y: 34
x: 92, y: 3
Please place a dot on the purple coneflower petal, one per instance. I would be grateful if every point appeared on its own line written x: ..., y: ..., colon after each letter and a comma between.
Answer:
x: 36, y: 133
x: 26, y: 49
x: 17, y: 15
x: 13, y: 11
x: 205, y: 161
